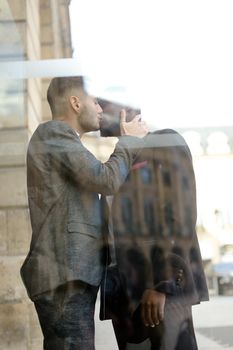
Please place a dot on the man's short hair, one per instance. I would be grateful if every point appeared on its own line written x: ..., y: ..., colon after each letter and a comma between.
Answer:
x: 58, y: 91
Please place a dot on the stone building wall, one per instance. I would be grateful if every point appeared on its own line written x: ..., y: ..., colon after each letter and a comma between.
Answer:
x: 29, y: 30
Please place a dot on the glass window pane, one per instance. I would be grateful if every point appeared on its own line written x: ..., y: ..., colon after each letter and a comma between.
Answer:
x: 158, y: 216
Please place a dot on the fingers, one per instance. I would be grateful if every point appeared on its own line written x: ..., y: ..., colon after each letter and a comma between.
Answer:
x: 155, y: 314
x: 150, y: 315
x: 123, y: 116
x: 134, y: 127
x: 147, y: 314
x: 140, y: 117
x: 137, y: 118
x: 152, y: 310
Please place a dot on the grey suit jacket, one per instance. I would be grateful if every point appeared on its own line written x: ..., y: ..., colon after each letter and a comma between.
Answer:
x: 64, y: 180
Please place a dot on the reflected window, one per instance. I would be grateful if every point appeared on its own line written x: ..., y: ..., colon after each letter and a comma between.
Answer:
x: 160, y: 229
x: 218, y: 143
x: 149, y: 214
x: 168, y: 216
x: 193, y: 139
x: 127, y: 211
x: 177, y: 251
x: 12, y: 94
x: 193, y: 255
x: 167, y: 178
x: 188, y: 221
x: 146, y: 175
x: 158, y: 259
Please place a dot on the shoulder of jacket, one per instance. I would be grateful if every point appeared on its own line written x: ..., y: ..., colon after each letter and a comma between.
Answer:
x: 165, y: 131
x: 174, y: 136
x: 54, y: 128
x: 54, y: 125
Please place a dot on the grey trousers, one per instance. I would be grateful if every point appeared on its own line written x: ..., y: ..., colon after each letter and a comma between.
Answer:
x: 66, y: 316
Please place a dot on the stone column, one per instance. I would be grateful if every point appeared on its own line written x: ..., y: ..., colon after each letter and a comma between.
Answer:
x: 24, y: 27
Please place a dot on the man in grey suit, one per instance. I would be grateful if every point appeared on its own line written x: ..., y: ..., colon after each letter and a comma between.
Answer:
x: 64, y: 266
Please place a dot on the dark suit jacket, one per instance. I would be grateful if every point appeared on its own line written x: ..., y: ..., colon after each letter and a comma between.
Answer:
x: 64, y: 180
x: 153, y: 219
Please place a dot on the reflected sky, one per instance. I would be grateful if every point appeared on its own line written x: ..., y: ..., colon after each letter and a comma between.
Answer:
x: 173, y: 59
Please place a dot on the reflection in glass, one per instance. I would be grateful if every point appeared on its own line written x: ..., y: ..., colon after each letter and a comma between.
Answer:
x: 167, y: 178
x: 149, y: 214
x: 146, y: 175
x: 126, y: 212
x: 185, y: 183
x: 12, y: 95
x: 168, y: 216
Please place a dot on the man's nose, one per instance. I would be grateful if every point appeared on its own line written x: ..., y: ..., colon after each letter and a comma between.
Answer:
x: 100, y: 110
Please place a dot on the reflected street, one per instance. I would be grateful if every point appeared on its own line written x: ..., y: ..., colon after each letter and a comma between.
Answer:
x: 213, y: 324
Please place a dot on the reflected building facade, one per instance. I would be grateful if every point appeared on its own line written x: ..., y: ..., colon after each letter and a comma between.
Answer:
x: 156, y: 201
x: 40, y: 29
x: 212, y: 150
x: 30, y: 30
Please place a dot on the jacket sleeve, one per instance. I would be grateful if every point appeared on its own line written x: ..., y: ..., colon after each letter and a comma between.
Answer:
x: 84, y: 169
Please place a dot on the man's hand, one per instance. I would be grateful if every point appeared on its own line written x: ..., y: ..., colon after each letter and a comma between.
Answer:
x: 152, y: 307
x: 135, y: 127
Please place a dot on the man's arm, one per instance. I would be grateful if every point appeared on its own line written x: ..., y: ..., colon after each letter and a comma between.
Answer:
x: 75, y: 161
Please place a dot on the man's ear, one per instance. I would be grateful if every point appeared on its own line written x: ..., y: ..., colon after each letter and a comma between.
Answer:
x: 75, y: 103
